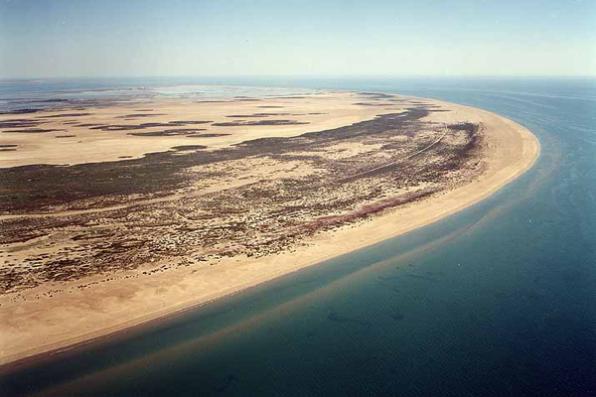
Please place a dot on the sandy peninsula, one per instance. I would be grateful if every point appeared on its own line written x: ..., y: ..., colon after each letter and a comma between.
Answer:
x: 131, y: 212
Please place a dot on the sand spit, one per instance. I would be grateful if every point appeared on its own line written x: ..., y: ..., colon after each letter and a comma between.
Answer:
x: 395, y: 165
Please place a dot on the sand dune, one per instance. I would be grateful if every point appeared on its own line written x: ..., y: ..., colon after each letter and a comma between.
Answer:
x: 59, y: 314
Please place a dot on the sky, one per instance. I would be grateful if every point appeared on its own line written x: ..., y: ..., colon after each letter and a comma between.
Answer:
x: 80, y: 38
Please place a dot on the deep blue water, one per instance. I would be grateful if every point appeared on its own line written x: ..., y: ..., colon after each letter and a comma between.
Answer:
x: 498, y: 300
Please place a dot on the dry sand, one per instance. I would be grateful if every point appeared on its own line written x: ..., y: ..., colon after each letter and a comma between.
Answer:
x: 36, y: 326
x: 69, y: 142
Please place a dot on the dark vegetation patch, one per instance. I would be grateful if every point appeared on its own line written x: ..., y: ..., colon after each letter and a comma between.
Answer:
x: 471, y: 131
x: 170, y: 132
x: 258, y: 122
x: 129, y: 127
x: 89, y: 125
x: 19, y: 123
x: 8, y: 150
x: 189, y: 147
x: 240, y: 116
x: 65, y: 136
x: 53, y: 116
x: 188, y: 122
x: 7, y: 146
x: 35, y: 187
x: 218, y: 224
x: 34, y: 130
x: 210, y: 135
x: 376, y: 95
x: 372, y: 104
x: 139, y: 115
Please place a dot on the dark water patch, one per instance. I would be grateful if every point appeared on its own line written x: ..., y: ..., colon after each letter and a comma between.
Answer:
x: 226, y: 383
x: 20, y: 111
x: 338, y: 318
x: 421, y: 277
x: 389, y: 278
x: 396, y: 315
x: 53, y: 100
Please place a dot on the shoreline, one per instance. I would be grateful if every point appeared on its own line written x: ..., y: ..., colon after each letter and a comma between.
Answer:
x: 507, y: 136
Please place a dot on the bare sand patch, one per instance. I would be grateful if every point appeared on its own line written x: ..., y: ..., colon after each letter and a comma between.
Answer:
x: 109, y: 133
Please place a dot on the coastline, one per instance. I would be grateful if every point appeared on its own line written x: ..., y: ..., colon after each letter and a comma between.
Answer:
x: 503, y: 137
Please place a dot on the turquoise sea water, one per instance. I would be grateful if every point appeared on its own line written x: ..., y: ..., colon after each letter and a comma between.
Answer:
x: 498, y: 300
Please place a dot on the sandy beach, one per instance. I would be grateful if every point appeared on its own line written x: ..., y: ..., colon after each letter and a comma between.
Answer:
x: 56, y: 315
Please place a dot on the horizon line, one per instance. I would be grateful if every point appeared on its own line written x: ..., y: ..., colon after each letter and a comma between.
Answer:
x: 299, y: 76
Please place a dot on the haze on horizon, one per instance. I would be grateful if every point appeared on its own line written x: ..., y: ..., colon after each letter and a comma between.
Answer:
x: 259, y: 37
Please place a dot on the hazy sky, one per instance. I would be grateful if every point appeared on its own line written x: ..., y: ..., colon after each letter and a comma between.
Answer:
x: 80, y: 38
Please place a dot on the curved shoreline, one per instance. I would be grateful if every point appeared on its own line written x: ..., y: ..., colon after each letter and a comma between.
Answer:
x: 503, y: 136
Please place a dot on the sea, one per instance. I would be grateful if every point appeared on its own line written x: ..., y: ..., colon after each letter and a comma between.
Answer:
x: 496, y: 300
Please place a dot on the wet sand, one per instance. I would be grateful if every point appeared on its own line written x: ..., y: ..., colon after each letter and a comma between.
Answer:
x: 73, y: 316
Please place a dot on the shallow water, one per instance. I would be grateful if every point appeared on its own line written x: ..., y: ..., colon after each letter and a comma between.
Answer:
x: 52, y: 93
x: 497, y: 300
